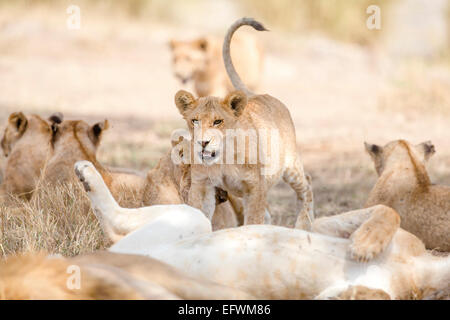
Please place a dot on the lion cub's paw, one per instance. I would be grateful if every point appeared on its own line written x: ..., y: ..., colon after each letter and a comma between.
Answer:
x: 363, y: 293
x: 367, y: 243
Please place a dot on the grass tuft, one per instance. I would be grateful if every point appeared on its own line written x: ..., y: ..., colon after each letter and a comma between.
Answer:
x: 58, y: 220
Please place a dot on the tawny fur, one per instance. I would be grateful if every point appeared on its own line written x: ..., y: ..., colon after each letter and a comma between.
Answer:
x: 272, y: 262
x: 359, y: 255
x: 40, y: 151
x: 208, y: 115
x: 76, y: 140
x: 169, y: 183
x: 119, y: 222
x: 405, y: 186
x: 103, y: 275
x: 27, y: 144
x: 200, y: 61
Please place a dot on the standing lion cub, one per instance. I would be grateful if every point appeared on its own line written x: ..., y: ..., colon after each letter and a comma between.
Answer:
x: 200, y: 61
x: 267, y: 151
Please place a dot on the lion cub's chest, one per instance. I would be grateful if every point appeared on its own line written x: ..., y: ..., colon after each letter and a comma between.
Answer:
x: 226, y: 177
x: 231, y: 181
x: 233, y: 185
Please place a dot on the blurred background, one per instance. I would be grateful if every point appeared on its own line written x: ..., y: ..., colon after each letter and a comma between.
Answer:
x: 343, y: 83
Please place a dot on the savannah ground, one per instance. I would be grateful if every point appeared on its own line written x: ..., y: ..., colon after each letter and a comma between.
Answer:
x: 342, y: 89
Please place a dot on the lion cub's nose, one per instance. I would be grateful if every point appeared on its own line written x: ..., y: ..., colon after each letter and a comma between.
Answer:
x: 203, y: 143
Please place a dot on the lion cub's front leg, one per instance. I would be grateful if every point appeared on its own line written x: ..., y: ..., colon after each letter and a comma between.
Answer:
x: 202, y: 195
x: 254, y: 205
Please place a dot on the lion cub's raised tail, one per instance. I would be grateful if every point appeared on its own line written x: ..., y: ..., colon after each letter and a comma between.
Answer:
x: 234, y: 77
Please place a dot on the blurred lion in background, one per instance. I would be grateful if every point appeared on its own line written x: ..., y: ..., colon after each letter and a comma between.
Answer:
x: 200, y: 60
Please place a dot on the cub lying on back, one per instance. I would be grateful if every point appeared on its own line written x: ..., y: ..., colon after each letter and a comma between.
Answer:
x: 405, y: 186
x: 210, y: 119
x: 200, y: 60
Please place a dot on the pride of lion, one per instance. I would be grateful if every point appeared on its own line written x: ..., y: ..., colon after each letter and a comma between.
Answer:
x: 198, y: 226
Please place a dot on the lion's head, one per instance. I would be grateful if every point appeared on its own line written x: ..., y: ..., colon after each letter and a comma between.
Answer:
x: 18, y: 124
x: 80, y: 135
x: 208, y: 120
x: 27, y: 144
x: 189, y: 58
x: 74, y: 140
x: 399, y: 151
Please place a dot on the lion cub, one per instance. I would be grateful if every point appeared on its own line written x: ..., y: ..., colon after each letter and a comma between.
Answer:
x: 254, y: 120
x: 200, y: 60
x: 405, y: 186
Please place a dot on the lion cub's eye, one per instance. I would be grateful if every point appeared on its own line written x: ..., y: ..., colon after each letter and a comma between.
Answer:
x: 217, y: 122
x: 194, y: 121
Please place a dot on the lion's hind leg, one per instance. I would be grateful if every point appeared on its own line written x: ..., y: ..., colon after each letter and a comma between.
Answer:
x: 301, y: 183
x: 370, y: 230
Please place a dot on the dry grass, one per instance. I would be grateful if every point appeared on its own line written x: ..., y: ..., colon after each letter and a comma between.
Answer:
x: 155, y: 10
x: 58, y: 220
x: 342, y: 20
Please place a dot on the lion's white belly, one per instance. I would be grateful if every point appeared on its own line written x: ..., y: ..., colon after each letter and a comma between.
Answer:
x: 268, y: 261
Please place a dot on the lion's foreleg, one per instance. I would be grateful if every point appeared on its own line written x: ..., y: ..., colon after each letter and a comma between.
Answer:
x: 254, y: 206
x: 203, y: 196
x: 370, y: 230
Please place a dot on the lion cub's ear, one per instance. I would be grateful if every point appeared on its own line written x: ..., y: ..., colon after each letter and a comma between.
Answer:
x: 202, y: 44
x: 18, y: 121
x: 57, y: 117
x: 375, y: 152
x: 426, y: 149
x: 373, y: 149
x: 55, y: 120
x: 236, y: 102
x: 184, y: 101
x: 179, y: 136
x: 176, y: 142
x: 95, y: 132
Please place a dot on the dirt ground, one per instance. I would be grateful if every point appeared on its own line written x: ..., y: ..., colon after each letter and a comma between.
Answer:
x: 339, y: 95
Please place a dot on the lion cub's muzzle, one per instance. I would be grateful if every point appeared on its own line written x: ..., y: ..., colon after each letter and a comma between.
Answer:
x: 206, y: 153
x: 183, y: 79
